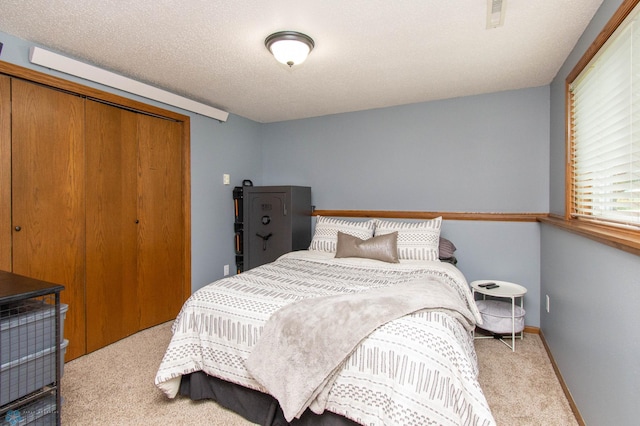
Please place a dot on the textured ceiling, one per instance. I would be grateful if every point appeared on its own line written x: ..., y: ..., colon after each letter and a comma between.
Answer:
x: 368, y: 54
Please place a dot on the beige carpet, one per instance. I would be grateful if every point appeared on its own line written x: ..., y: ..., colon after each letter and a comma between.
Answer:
x: 114, y: 386
x: 521, y: 387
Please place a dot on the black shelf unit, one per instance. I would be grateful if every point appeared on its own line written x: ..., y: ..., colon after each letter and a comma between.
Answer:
x: 37, y: 399
x: 238, y: 227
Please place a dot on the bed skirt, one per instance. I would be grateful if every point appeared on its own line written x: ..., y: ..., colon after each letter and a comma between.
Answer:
x: 257, y: 407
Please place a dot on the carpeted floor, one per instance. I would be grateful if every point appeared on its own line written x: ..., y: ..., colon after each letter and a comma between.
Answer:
x: 521, y: 387
x: 114, y: 386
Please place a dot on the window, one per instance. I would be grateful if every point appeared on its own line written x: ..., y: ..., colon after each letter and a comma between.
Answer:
x: 604, y: 126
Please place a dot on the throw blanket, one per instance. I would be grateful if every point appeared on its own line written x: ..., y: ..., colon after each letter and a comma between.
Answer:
x: 304, y: 345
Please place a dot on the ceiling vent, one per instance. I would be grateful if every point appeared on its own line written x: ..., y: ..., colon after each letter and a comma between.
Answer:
x: 495, y: 13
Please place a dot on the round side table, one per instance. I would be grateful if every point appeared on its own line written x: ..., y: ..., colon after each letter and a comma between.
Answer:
x: 505, y: 290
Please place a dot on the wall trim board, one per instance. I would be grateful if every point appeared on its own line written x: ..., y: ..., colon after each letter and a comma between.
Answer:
x: 34, y: 76
x: 496, y: 217
x: 622, y: 239
x: 67, y: 65
x: 531, y: 329
x: 563, y: 384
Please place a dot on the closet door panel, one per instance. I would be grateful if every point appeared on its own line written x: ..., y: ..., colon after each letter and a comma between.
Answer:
x: 111, y: 153
x: 5, y: 173
x: 161, y: 263
x: 48, y: 190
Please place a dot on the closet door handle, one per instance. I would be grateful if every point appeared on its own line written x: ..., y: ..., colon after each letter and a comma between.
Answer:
x: 17, y: 228
x: 137, y: 221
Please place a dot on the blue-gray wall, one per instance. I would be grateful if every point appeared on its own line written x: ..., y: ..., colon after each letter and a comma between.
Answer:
x: 592, y: 326
x: 216, y: 148
x: 487, y: 153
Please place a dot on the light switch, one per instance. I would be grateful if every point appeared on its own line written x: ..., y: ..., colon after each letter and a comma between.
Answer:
x: 226, y: 179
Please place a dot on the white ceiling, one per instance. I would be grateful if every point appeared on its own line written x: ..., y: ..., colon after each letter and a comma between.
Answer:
x: 368, y: 54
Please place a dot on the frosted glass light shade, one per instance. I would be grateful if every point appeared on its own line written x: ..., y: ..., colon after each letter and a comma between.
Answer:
x: 289, y: 47
x: 290, y: 52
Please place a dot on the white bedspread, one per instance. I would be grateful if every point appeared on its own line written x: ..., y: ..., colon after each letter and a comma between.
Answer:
x: 417, y: 369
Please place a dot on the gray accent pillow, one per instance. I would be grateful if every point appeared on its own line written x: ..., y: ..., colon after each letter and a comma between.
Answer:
x: 382, y: 247
x: 446, y: 248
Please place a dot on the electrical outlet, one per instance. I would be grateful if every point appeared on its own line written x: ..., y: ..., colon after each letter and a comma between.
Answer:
x: 548, y: 303
x: 226, y: 270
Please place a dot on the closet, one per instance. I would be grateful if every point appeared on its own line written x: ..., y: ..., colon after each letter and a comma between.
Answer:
x: 99, y: 202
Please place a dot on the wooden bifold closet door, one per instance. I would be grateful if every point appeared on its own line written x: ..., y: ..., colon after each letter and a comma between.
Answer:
x: 47, y: 196
x: 5, y: 173
x: 134, y: 222
x: 161, y: 246
x: 112, y: 151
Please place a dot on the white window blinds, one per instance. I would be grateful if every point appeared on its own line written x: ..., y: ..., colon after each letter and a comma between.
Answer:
x: 605, y: 131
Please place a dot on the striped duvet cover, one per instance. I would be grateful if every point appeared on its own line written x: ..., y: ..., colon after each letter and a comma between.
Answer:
x: 419, y: 369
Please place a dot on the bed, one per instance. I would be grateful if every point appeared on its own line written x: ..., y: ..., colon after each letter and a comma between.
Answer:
x: 366, y: 327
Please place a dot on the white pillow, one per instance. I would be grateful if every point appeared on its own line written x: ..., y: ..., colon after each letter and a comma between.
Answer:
x: 325, y: 236
x: 417, y: 240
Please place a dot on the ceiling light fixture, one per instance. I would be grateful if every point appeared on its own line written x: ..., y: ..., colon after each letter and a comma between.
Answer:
x: 289, y: 47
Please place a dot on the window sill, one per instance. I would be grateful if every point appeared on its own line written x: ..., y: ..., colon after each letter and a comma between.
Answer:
x: 621, y: 239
